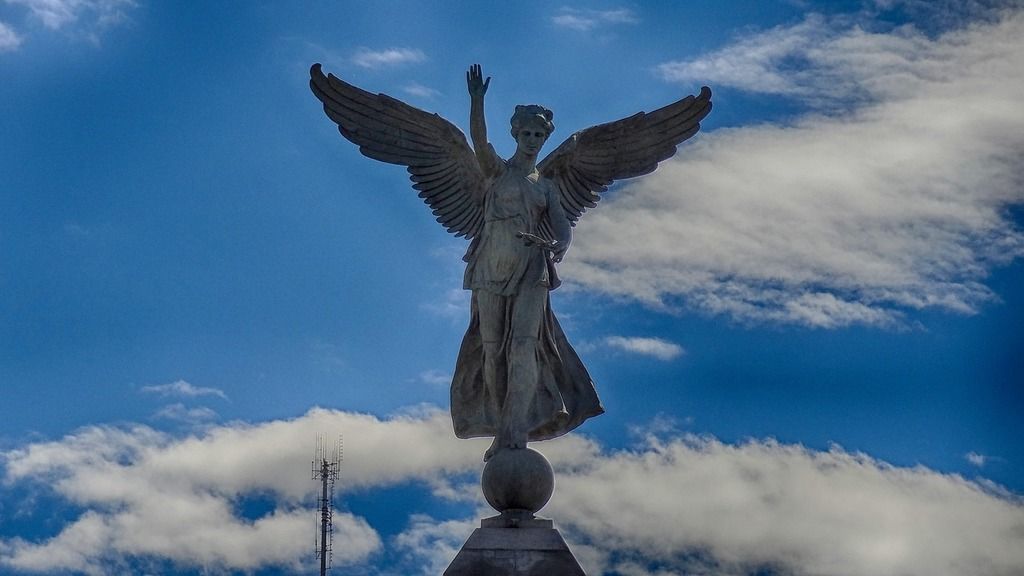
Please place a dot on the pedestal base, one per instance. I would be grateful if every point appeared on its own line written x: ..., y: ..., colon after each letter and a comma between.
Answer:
x: 525, y: 551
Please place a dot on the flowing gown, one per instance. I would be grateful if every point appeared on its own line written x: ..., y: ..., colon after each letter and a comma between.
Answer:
x: 500, y: 263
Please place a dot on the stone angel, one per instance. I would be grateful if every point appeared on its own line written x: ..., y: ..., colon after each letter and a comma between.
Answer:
x: 517, y: 378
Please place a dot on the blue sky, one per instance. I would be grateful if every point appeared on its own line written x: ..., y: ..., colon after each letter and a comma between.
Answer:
x: 805, y: 328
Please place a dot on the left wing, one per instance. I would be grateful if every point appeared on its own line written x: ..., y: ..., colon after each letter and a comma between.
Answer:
x: 441, y: 165
x: 588, y: 161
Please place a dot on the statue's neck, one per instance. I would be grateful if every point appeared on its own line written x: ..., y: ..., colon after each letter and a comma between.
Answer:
x: 522, y: 161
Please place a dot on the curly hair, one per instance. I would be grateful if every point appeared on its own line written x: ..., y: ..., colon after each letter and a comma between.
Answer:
x: 529, y: 113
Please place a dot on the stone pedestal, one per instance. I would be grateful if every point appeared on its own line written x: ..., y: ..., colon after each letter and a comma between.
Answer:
x: 515, y: 542
x: 526, y: 551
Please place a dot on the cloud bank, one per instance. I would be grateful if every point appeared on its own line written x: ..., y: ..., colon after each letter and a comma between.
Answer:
x: 675, y: 504
x: 894, y: 196
x: 701, y: 506
x: 139, y: 487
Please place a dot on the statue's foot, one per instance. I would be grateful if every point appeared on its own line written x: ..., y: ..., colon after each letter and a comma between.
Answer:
x: 498, y: 446
x: 516, y: 440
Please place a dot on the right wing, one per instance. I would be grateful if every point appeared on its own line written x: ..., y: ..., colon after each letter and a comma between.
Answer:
x: 440, y: 161
x: 585, y: 164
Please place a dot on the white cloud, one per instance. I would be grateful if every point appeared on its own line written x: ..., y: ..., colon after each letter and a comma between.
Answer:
x: 327, y: 356
x: 454, y: 305
x: 138, y: 487
x: 436, y: 377
x: 585, y: 20
x: 368, y: 58
x: 855, y: 217
x: 182, y: 413
x: 432, y: 544
x: 9, y: 40
x: 92, y: 16
x: 86, y: 19
x: 756, y: 63
x: 654, y: 347
x: 213, y: 538
x: 764, y: 504
x: 184, y: 389
x: 419, y: 90
x: 976, y: 459
x: 663, y: 503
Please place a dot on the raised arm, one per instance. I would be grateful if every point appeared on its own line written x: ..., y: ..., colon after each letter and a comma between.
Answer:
x: 477, y: 125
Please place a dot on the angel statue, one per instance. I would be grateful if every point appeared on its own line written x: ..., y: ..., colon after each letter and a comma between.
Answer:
x: 517, y: 378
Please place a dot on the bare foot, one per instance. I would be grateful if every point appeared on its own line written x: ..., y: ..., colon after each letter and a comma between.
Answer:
x: 516, y: 442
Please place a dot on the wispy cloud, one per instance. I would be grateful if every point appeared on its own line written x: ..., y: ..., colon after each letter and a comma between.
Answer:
x: 788, y: 60
x: 684, y: 503
x: 184, y: 389
x: 976, y: 459
x: 55, y: 14
x: 368, y: 58
x: 436, y: 377
x: 416, y: 89
x: 585, y: 20
x: 181, y: 413
x: 328, y: 356
x: 9, y: 40
x: 654, y: 347
x: 453, y: 305
x: 88, y: 18
x: 896, y: 200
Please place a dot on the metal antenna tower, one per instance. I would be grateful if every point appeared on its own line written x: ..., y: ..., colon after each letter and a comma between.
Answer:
x: 326, y: 465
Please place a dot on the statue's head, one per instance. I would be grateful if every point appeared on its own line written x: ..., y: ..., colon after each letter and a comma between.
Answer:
x: 531, y: 126
x: 532, y: 114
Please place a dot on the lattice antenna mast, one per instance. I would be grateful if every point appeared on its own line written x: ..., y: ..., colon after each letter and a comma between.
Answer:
x: 325, y: 468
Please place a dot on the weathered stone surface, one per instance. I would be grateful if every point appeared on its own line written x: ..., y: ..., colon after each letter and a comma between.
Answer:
x: 515, y: 552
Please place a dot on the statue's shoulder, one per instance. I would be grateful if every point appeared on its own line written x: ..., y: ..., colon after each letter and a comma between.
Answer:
x: 548, y: 185
x: 491, y: 163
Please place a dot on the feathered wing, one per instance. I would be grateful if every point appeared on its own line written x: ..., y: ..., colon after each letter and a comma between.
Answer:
x: 440, y: 162
x: 585, y: 164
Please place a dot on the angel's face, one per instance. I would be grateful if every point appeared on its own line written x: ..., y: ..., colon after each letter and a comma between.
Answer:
x: 531, y: 138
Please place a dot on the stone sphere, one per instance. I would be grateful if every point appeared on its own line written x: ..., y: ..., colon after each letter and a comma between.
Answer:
x: 518, y: 479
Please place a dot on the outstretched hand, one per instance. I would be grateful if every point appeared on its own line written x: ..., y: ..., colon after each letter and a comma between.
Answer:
x: 475, y: 82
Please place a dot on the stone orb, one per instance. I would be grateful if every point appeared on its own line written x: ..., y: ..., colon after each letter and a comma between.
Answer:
x: 518, y: 479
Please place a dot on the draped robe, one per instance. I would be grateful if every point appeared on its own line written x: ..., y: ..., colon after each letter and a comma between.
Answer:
x: 502, y: 264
